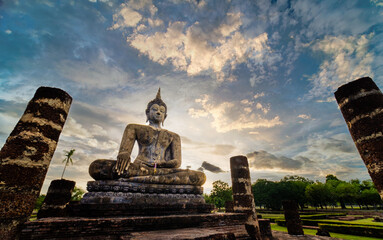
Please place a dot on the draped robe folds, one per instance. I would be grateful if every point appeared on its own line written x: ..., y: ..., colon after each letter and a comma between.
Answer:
x: 158, y: 160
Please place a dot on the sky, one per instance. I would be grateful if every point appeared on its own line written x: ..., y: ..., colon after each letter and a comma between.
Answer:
x: 253, y: 78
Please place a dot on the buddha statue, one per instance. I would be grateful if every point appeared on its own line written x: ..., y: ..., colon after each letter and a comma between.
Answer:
x: 159, y: 156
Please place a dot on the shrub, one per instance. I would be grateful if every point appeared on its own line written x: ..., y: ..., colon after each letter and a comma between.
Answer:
x: 322, y: 215
x: 280, y: 222
x: 316, y: 222
x: 359, y: 230
x: 274, y: 220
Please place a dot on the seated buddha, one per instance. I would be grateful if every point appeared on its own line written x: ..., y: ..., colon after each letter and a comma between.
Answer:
x: 159, y: 156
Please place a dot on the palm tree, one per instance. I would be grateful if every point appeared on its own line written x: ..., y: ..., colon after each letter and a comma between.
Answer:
x: 67, y: 159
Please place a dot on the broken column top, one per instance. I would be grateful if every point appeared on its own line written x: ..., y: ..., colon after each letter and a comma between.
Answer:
x: 50, y: 92
x: 354, y: 87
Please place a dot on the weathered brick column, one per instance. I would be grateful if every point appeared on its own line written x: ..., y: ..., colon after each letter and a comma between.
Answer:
x: 26, y: 155
x: 58, y: 197
x: 293, y: 221
x: 242, y: 195
x: 361, y: 103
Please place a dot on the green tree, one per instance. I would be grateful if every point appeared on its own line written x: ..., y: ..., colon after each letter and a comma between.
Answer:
x: 67, y: 159
x: 268, y: 193
x: 295, y: 188
x: 318, y: 194
x: 77, y: 194
x: 369, y: 195
x: 332, y: 183
x: 221, y: 193
x: 208, y: 199
x: 39, y: 201
x: 346, y: 193
x: 358, y: 196
x: 260, y: 191
x: 331, y: 177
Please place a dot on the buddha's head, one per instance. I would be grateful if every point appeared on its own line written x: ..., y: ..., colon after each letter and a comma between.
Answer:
x: 156, y: 111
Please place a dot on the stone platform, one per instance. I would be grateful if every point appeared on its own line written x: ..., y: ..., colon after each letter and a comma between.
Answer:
x: 118, y: 227
x: 115, y: 209
x: 198, y: 227
x: 122, y: 185
x: 125, y: 198
x: 141, y: 198
x: 237, y: 232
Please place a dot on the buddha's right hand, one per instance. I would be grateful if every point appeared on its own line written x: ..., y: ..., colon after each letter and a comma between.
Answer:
x: 123, y: 162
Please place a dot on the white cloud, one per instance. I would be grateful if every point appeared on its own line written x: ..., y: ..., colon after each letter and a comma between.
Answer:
x: 349, y: 60
x: 163, y: 47
x: 258, y: 95
x: 329, y: 99
x: 262, y: 108
x: 93, y: 75
x: 105, y: 145
x: 142, y: 5
x: 335, y: 144
x: 80, y: 134
x: 378, y: 3
x: 8, y: 120
x: 129, y: 14
x: 126, y: 17
x: 227, y: 116
x: 98, y: 130
x: 304, y: 116
x: 74, y: 129
x: 197, y: 49
x: 328, y: 17
x: 265, y: 160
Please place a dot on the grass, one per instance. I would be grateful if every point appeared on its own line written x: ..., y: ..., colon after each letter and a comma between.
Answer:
x: 367, y: 221
x: 268, y: 215
x: 335, y: 235
x: 33, y: 216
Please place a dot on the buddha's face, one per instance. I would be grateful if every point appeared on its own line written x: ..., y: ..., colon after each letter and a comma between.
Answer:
x: 157, y: 113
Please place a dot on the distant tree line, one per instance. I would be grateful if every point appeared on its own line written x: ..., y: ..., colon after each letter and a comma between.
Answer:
x: 270, y: 194
x: 220, y: 193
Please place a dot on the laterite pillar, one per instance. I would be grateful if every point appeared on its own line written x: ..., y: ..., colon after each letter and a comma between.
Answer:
x: 242, y: 195
x: 361, y: 103
x: 293, y: 220
x: 26, y: 155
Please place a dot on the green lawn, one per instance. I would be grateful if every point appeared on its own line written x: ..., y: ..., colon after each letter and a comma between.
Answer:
x: 367, y: 221
x: 268, y: 215
x: 33, y: 216
x: 335, y: 235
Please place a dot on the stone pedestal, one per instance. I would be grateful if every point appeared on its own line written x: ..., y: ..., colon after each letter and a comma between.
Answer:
x: 265, y: 227
x: 361, y: 103
x: 26, y: 155
x: 293, y: 221
x: 58, y: 196
x: 242, y: 195
x: 125, y: 198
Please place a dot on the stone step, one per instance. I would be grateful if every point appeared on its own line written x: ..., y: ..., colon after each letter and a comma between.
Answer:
x: 114, y: 227
x: 136, y: 209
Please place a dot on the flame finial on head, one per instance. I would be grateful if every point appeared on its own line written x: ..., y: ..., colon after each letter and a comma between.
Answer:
x: 158, y: 96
